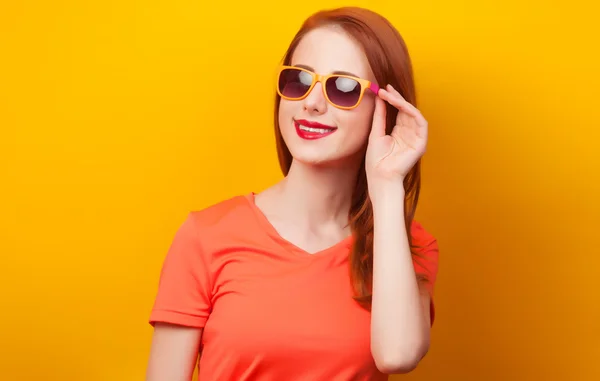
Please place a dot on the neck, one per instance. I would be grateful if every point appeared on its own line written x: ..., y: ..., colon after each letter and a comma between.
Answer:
x: 319, y: 195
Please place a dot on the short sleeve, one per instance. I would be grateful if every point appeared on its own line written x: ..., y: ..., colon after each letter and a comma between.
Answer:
x: 426, y: 259
x: 184, y: 290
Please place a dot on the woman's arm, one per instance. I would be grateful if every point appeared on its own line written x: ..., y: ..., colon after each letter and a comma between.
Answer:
x: 400, y: 314
x: 174, y: 353
x: 400, y: 311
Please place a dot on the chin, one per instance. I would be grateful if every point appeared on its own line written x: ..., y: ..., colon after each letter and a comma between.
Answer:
x: 312, y: 158
x: 322, y: 159
x: 329, y: 151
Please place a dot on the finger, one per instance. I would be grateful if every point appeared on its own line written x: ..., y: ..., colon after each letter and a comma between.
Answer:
x: 395, y: 99
x: 405, y: 105
x: 398, y: 103
x: 409, y: 118
x: 378, y: 127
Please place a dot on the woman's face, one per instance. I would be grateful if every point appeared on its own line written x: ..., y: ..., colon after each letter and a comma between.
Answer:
x: 324, y: 51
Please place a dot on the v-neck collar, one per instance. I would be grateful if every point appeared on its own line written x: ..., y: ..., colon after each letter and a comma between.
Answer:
x: 270, y: 230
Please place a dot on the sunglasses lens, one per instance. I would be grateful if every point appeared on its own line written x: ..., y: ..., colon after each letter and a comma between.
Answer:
x: 294, y: 83
x: 343, y: 91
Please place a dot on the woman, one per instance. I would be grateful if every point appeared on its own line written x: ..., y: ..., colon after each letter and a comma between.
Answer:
x: 325, y: 275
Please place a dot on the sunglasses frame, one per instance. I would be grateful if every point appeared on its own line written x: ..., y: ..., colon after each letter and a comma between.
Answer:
x: 364, y: 85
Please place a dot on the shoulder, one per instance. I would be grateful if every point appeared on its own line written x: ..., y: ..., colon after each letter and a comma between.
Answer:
x: 421, y: 236
x: 204, y: 229
x: 221, y: 212
x: 220, y: 219
x: 426, y: 254
x: 426, y: 248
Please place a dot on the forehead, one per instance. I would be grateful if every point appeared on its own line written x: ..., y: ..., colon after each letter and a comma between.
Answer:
x: 330, y: 49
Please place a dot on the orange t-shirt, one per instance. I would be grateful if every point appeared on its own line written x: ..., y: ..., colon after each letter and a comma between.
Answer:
x: 270, y: 311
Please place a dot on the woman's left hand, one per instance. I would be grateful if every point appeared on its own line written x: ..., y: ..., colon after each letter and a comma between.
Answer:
x: 389, y: 158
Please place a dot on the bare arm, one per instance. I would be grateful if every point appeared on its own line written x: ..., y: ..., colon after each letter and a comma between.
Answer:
x: 400, y: 310
x: 174, y: 353
x: 400, y: 316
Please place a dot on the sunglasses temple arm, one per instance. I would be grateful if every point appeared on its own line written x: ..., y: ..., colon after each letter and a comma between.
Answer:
x: 374, y: 88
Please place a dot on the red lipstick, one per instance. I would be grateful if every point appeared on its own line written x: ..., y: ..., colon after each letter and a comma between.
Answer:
x: 312, y: 130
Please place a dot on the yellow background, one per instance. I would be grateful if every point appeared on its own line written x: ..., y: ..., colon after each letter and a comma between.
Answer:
x: 118, y: 117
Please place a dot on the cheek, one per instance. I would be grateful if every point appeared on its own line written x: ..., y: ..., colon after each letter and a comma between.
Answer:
x: 286, y: 112
x: 360, y: 119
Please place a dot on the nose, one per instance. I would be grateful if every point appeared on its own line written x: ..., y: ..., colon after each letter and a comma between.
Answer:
x: 315, y: 101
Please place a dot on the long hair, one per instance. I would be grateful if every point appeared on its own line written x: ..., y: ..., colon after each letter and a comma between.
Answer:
x: 388, y: 57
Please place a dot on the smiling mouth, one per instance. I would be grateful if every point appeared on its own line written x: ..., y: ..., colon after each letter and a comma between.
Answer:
x: 312, y: 130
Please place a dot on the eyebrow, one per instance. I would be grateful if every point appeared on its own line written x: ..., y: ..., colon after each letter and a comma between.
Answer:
x: 335, y: 72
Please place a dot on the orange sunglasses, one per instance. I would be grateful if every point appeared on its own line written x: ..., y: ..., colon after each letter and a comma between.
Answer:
x: 342, y: 91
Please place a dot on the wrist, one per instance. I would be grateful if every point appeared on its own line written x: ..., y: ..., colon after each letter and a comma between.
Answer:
x: 389, y: 195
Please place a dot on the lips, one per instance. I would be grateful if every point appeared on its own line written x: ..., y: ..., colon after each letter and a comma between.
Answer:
x: 309, y: 130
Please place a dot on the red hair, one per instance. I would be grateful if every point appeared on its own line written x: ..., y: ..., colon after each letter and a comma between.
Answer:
x: 388, y: 57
